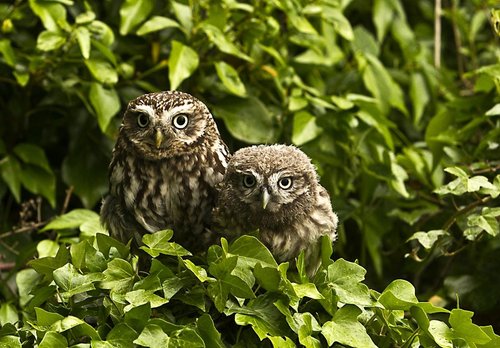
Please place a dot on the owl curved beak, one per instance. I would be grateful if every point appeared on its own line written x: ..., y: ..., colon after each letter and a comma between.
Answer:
x: 158, y: 138
x: 265, y: 198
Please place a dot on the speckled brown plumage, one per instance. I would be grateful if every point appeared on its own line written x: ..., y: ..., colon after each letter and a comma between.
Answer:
x: 275, y: 189
x: 167, y: 160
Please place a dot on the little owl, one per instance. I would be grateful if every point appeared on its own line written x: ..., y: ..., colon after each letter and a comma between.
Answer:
x: 167, y: 160
x: 275, y: 190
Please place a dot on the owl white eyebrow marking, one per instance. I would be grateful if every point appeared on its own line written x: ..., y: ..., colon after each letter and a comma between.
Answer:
x: 179, y: 109
x: 146, y: 109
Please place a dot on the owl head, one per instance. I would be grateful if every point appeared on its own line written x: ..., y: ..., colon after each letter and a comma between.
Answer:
x: 275, y: 180
x: 167, y: 124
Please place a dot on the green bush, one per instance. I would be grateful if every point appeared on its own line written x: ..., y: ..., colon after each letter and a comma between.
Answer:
x: 402, y: 124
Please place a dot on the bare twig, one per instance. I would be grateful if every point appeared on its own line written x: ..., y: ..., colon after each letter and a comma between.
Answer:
x: 7, y: 266
x: 69, y: 192
x: 437, y: 34
x: 464, y: 210
x: 458, y: 40
x: 24, y: 229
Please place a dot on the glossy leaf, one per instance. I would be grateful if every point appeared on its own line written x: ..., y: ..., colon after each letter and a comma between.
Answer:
x: 230, y: 79
x: 102, y: 71
x: 247, y: 119
x: 156, y: 23
x: 183, y: 62
x: 132, y: 13
x: 106, y: 103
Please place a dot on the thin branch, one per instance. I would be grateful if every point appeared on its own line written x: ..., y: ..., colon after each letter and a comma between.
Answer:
x: 437, y: 34
x: 458, y: 40
x: 69, y: 192
x: 7, y: 266
x: 25, y: 229
x: 464, y: 210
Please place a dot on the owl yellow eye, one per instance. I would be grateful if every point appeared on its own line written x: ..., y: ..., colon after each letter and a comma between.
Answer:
x: 142, y: 120
x: 285, y: 183
x: 180, y: 121
x: 249, y: 181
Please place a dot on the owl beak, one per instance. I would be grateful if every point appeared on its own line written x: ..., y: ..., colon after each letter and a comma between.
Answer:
x: 265, y: 198
x: 158, y: 138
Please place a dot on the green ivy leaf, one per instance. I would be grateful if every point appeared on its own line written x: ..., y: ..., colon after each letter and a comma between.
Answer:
x: 153, y: 336
x: 398, y: 295
x: 461, y: 323
x: 106, y: 103
x: 132, y: 13
x: 72, y: 219
x: 53, y: 339
x: 26, y: 280
x: 428, y: 239
x: 72, y: 282
x: 265, y: 319
x: 118, y: 277
x: 230, y: 79
x: 156, y: 23
x: 267, y: 277
x: 441, y: 333
x: 251, y: 251
x: 139, y: 297
x: 345, y: 329
x: 46, y: 318
x: 207, y: 331
x: 10, y: 341
x: 345, y: 278
x: 199, y: 272
x: 8, y: 314
x: 158, y: 243
x: 182, y: 63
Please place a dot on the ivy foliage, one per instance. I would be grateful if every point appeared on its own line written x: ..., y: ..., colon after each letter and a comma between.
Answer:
x: 91, y: 294
x: 399, y: 112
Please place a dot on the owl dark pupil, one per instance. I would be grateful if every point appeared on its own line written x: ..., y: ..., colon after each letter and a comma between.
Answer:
x: 285, y: 183
x: 248, y: 181
x: 180, y: 121
x: 142, y: 120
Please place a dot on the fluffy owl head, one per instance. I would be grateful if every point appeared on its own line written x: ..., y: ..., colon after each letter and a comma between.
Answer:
x: 167, y: 124
x: 271, y: 180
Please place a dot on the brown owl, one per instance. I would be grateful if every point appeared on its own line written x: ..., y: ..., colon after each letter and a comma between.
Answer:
x: 167, y: 160
x: 275, y: 189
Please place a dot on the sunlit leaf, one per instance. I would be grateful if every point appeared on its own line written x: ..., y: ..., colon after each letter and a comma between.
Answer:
x: 132, y: 13
x: 156, y: 23
x: 102, y: 71
x: 182, y: 63
x: 83, y: 38
x: 230, y: 79
x: 106, y: 103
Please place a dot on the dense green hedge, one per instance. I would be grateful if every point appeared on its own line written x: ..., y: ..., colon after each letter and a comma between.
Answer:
x: 403, y: 125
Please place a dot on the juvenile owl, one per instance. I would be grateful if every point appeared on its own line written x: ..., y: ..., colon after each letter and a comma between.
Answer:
x: 167, y: 160
x: 275, y: 189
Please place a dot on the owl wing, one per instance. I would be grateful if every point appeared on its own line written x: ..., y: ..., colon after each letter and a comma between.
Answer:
x: 331, y: 219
